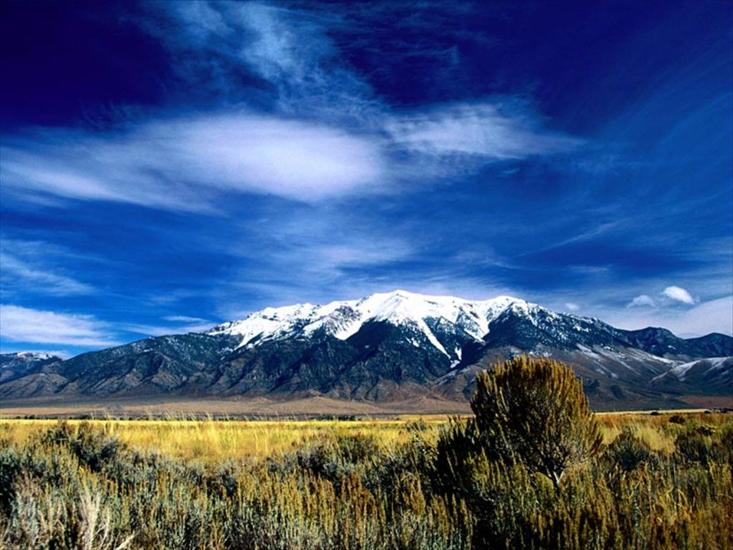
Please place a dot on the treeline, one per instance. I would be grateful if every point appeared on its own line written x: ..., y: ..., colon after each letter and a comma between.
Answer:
x: 529, y: 470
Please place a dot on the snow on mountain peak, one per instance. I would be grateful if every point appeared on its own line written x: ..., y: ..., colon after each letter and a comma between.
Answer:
x: 34, y: 355
x: 342, y: 319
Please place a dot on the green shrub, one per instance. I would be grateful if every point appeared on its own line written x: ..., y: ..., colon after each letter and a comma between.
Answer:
x: 534, y: 411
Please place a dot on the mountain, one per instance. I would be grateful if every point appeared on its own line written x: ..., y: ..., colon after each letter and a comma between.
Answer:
x: 15, y: 365
x: 660, y: 341
x: 346, y: 318
x: 713, y: 375
x: 28, y: 373
x: 386, y: 346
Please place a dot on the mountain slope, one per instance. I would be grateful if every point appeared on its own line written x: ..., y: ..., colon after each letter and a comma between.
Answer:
x: 711, y: 375
x: 660, y: 341
x: 16, y: 365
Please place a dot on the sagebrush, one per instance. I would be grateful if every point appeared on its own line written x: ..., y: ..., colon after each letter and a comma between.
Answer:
x: 654, y: 483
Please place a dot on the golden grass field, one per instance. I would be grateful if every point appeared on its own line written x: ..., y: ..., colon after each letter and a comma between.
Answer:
x: 214, y: 440
x: 218, y: 440
x: 661, y: 481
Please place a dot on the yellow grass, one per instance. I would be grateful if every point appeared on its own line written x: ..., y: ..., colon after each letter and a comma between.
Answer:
x: 217, y: 440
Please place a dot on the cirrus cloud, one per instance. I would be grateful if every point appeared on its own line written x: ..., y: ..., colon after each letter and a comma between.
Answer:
x: 179, y: 163
x: 481, y: 130
x: 22, y: 324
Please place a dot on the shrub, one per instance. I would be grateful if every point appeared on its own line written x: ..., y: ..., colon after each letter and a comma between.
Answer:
x: 533, y: 410
x: 92, y: 447
x: 532, y: 422
x: 628, y: 452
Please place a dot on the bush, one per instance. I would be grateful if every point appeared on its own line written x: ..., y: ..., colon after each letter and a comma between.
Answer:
x: 628, y: 452
x: 92, y: 447
x: 699, y: 444
x: 534, y: 411
x: 532, y: 423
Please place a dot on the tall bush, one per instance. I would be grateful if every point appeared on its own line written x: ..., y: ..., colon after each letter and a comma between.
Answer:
x: 533, y: 410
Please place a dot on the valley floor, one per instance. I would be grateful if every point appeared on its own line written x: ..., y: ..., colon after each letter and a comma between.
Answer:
x: 306, y: 407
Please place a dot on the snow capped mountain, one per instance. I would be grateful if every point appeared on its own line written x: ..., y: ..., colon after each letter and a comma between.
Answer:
x: 13, y: 365
x: 385, y: 346
x: 28, y: 356
x: 343, y: 319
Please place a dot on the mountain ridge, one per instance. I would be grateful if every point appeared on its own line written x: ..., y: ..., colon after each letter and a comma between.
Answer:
x: 383, y: 346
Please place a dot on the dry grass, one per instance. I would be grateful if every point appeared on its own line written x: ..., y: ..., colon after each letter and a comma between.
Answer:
x: 655, y: 430
x: 218, y: 440
x: 370, y: 483
x: 213, y: 441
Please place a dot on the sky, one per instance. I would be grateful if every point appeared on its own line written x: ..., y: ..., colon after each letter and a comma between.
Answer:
x: 166, y: 166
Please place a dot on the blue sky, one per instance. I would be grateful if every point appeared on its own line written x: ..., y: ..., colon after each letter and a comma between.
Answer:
x: 167, y: 166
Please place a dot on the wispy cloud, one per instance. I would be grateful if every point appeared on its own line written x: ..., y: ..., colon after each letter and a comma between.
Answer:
x: 25, y: 267
x: 187, y: 162
x: 479, y: 130
x: 181, y: 163
x: 338, y: 255
x: 164, y: 330
x: 289, y: 49
x: 317, y: 262
x: 21, y: 324
x: 184, y: 319
x: 325, y: 135
x: 642, y: 300
x: 175, y: 324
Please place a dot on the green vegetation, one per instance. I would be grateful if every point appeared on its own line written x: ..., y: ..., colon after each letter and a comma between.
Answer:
x: 533, y: 412
x: 532, y: 469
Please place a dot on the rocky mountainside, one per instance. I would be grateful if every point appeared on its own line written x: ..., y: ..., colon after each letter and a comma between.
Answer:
x: 662, y: 342
x: 16, y: 365
x: 713, y: 375
x: 383, y: 347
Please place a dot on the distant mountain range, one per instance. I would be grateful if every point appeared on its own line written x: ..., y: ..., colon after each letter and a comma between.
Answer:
x: 384, y: 347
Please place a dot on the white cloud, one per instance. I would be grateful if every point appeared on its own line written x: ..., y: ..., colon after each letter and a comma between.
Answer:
x: 182, y: 163
x: 183, y: 324
x: 643, y: 300
x: 479, y: 130
x: 164, y: 330
x: 189, y: 162
x: 21, y: 324
x: 570, y: 306
x: 678, y: 294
